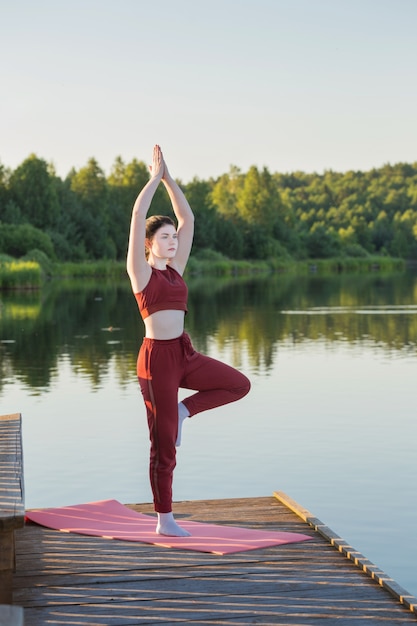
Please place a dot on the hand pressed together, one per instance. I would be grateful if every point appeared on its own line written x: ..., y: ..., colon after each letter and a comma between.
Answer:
x: 158, y: 164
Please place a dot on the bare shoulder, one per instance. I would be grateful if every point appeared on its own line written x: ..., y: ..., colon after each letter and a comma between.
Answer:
x: 141, y: 278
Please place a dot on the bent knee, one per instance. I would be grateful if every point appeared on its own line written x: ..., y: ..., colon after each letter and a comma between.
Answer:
x: 243, y: 388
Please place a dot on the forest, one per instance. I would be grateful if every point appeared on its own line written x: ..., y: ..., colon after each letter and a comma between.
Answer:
x: 255, y: 214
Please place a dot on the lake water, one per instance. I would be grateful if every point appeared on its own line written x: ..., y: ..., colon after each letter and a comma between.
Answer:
x: 330, y: 420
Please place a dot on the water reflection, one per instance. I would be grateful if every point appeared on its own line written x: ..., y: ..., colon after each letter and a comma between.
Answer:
x: 92, y: 323
x: 330, y: 418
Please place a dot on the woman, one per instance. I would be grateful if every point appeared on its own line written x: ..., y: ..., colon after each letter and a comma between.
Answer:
x: 157, y: 255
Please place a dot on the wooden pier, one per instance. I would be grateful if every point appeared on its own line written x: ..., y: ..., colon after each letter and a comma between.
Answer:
x: 68, y: 579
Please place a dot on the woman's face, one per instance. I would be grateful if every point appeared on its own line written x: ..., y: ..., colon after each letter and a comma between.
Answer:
x: 164, y: 242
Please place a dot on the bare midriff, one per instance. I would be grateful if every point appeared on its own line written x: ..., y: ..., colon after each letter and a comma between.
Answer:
x: 167, y: 324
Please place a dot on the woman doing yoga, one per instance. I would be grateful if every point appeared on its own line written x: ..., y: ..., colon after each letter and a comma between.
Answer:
x: 158, y: 252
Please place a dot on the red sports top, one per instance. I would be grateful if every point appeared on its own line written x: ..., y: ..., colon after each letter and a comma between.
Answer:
x: 165, y: 290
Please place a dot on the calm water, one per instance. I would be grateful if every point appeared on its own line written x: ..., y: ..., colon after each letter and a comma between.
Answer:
x: 330, y: 419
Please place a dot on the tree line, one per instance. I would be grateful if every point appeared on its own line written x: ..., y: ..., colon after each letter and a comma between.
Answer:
x: 243, y: 215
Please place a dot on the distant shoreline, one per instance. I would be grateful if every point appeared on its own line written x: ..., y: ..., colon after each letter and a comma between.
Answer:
x: 30, y: 274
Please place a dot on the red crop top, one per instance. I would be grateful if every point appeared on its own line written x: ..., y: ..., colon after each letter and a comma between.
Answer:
x: 166, y: 289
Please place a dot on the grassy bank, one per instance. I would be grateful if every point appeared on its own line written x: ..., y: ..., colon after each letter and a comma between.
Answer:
x: 352, y: 265
x: 227, y: 267
x: 33, y: 272
x: 20, y: 274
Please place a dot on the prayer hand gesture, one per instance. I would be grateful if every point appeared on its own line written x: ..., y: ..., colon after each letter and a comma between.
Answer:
x: 158, y: 165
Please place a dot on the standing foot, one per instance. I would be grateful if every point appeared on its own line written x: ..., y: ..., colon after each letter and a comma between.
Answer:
x: 168, y: 526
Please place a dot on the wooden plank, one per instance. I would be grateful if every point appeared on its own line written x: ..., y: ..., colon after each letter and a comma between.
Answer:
x: 350, y: 553
x: 12, y: 506
x: 66, y: 579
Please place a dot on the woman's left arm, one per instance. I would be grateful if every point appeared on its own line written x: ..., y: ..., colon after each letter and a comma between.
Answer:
x: 185, y: 219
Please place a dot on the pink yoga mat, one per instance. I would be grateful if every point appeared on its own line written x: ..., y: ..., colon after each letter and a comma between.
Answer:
x: 112, y: 520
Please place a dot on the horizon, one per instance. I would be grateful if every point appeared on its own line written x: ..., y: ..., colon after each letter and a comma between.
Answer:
x: 107, y: 173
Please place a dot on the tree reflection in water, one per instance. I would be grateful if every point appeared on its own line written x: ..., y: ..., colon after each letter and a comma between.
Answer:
x: 93, y: 323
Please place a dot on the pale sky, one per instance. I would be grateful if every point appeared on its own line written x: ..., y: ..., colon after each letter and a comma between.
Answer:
x: 286, y: 84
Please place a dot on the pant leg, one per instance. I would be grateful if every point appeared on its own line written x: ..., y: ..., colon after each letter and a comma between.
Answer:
x: 216, y: 383
x: 159, y: 370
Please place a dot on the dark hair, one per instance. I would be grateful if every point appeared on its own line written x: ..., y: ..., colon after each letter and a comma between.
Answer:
x: 154, y: 223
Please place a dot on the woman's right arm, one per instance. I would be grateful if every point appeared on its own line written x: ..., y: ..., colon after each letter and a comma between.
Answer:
x: 138, y: 268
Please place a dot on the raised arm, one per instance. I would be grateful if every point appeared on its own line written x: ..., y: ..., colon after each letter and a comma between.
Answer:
x: 185, y: 219
x: 137, y: 266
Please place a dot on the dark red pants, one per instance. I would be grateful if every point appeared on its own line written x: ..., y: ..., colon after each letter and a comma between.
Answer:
x: 163, y: 367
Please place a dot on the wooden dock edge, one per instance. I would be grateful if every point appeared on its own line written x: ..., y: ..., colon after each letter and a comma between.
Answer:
x: 353, y: 555
x: 12, y: 506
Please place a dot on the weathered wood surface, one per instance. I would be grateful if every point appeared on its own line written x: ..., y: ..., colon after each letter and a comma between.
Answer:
x: 12, y: 505
x: 350, y: 553
x: 70, y: 579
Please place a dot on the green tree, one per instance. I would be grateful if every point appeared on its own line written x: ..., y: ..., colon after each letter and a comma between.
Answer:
x: 10, y: 213
x: 18, y: 240
x: 404, y: 240
x: 90, y: 186
x: 4, y: 192
x: 198, y: 193
x: 225, y: 193
x: 258, y: 200
x: 321, y: 242
x: 68, y: 237
x: 381, y: 232
x: 124, y: 184
x: 229, y: 238
x: 32, y: 189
